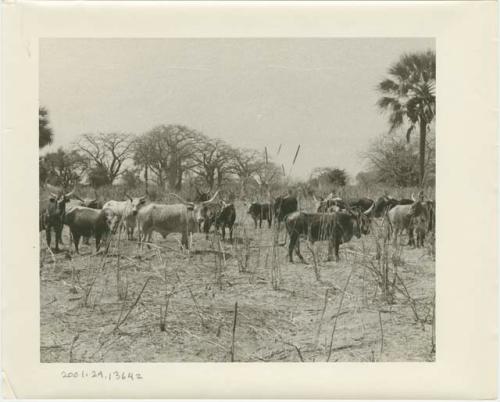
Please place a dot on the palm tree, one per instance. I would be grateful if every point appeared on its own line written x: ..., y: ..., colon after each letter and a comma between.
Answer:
x: 409, y: 96
x: 45, y: 134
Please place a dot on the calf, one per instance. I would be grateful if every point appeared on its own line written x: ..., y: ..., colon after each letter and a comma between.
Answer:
x: 337, y: 228
x: 87, y: 222
x: 226, y: 218
x: 260, y: 212
x: 125, y: 213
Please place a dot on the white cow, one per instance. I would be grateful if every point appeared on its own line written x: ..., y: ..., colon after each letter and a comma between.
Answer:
x: 182, y: 218
x: 125, y: 213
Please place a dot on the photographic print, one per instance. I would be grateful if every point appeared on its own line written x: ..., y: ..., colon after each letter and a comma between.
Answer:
x: 237, y: 200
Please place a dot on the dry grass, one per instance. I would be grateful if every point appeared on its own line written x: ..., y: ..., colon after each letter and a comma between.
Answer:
x: 165, y: 304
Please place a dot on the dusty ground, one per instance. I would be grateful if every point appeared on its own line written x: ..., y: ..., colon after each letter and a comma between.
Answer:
x: 92, y: 308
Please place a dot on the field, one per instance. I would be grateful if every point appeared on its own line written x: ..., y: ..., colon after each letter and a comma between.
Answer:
x: 166, y: 304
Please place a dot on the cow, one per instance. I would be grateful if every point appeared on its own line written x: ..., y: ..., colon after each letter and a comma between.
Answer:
x: 337, y: 228
x: 260, y: 212
x: 125, y: 213
x: 86, y: 202
x: 400, y: 218
x: 226, y: 218
x: 184, y: 218
x: 336, y: 204
x: 384, y: 204
x: 53, y: 217
x: 284, y: 205
x: 329, y: 204
x: 87, y: 222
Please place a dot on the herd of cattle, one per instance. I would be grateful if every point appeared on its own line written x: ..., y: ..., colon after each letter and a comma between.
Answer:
x: 334, y: 220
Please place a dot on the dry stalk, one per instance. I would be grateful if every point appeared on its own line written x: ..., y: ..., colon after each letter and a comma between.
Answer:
x: 381, y: 333
x: 316, y: 339
x: 121, y: 321
x: 336, y: 317
x: 234, y: 330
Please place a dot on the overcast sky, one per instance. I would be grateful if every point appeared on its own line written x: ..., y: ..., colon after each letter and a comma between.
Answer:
x: 319, y: 93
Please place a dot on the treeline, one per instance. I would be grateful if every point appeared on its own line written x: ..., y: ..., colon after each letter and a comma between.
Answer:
x: 167, y: 156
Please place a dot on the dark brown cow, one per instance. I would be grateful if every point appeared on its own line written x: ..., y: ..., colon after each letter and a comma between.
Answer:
x: 260, y: 212
x: 336, y: 228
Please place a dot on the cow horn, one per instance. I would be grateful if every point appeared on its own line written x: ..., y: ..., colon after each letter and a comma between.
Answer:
x: 78, y: 198
x: 412, y: 197
x: 369, y: 210
x: 53, y: 195
x: 211, y: 199
x: 126, y: 195
x: 53, y: 189
x: 180, y: 199
x: 70, y: 193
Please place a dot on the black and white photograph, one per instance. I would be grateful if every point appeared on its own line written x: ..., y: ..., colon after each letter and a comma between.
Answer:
x: 237, y: 199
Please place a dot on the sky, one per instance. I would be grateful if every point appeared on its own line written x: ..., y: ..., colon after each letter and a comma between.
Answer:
x: 253, y: 93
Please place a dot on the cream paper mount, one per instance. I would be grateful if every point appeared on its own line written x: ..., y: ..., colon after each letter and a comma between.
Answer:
x: 136, y: 323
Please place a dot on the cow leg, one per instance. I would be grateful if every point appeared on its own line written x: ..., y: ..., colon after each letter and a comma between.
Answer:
x: 48, y: 235
x: 231, y: 233
x: 254, y: 221
x: 58, y: 237
x: 223, y: 231
x: 76, y: 240
x: 97, y: 242
x: 184, y: 240
x: 330, y: 250
x: 260, y: 224
x: 337, y: 245
x: 411, y: 240
x: 269, y: 221
x: 297, y: 251
x: 291, y: 246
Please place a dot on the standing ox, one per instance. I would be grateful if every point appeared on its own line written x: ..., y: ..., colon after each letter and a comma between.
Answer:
x: 182, y: 218
x: 337, y: 228
x: 125, y: 213
x: 384, y: 204
x: 260, y: 212
x: 400, y: 218
x: 86, y: 202
x: 226, y: 218
x: 86, y: 222
x: 52, y: 218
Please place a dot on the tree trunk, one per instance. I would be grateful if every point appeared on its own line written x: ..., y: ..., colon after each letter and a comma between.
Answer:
x: 146, y: 177
x: 423, y: 134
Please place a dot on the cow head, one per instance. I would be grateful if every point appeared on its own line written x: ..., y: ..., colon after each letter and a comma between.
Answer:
x: 361, y: 221
x: 204, y: 212
x: 137, y: 203
x: 418, y: 208
x: 57, y: 203
x: 252, y: 208
x: 109, y: 216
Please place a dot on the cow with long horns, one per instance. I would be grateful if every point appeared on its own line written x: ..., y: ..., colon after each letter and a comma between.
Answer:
x: 184, y: 218
x: 53, y: 216
x: 336, y: 228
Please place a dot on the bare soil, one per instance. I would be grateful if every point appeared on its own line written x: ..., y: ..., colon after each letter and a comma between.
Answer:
x: 109, y: 307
